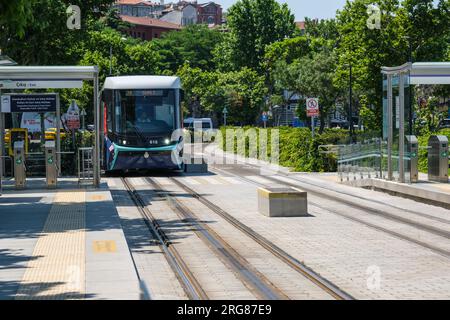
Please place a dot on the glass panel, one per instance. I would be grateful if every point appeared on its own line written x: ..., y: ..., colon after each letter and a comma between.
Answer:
x: 141, y: 112
x: 395, y: 126
x: 384, y: 143
x: 408, y: 114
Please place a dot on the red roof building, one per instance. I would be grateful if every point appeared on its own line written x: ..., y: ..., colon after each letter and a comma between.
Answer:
x: 148, y: 28
x: 209, y: 13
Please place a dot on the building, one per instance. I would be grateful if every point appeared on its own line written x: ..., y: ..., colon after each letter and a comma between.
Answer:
x: 146, y: 28
x: 181, y: 13
x: 184, y: 14
x: 209, y: 13
x: 301, y: 25
x: 139, y: 8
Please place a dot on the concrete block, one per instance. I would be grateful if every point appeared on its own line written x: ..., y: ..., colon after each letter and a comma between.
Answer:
x: 282, y: 202
x: 196, y: 165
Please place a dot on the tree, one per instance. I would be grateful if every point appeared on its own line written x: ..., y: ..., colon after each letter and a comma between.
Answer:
x: 253, y: 25
x: 242, y: 92
x: 46, y: 39
x: 408, y: 28
x: 310, y: 77
x: 14, y: 16
x: 194, y: 45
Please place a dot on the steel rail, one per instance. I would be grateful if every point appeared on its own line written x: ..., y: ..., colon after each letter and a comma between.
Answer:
x: 298, y: 266
x: 189, y: 283
x: 437, y: 250
x: 255, y: 281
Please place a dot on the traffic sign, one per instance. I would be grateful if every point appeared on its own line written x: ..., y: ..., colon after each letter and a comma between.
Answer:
x: 225, y: 110
x: 265, y: 117
x: 312, y: 107
x: 73, y: 116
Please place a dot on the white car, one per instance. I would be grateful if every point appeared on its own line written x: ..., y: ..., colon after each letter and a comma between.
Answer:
x: 203, y: 124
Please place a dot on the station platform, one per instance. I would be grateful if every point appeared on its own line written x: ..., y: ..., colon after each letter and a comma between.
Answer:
x: 426, y: 191
x: 63, y: 244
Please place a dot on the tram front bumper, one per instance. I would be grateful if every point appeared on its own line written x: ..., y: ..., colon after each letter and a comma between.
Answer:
x: 129, y: 160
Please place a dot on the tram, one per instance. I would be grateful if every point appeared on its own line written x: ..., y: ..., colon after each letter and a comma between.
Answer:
x: 142, y: 123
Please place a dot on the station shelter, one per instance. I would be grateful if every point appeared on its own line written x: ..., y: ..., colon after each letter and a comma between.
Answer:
x: 393, y: 155
x: 398, y: 113
x: 21, y: 109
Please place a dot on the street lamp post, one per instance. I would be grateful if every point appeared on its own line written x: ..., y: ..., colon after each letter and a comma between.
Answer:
x: 350, y: 106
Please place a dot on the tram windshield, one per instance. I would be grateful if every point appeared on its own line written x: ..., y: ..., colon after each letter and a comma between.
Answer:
x: 146, y: 112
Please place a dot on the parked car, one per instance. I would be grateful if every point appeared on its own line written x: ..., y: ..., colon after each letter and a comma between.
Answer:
x: 50, y: 134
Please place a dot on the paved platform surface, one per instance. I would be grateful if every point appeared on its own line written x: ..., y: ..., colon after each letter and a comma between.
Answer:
x: 360, y: 257
x: 63, y: 244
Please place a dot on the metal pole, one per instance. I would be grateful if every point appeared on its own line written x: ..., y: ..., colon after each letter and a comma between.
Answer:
x: 390, y: 129
x: 58, y: 133
x: 96, y: 157
x: 313, y: 127
x: 110, y: 60
x: 225, y: 119
x: 350, y: 106
x: 401, y: 137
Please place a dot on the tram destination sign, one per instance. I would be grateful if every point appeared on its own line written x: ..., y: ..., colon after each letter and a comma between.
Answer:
x: 28, y: 103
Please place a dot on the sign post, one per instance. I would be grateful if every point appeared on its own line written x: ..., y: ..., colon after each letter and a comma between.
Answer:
x: 312, y: 111
x: 225, y: 112
x: 83, y: 115
x: 73, y: 119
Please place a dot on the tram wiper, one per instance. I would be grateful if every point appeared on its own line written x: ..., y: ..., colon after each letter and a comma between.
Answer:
x: 138, y: 131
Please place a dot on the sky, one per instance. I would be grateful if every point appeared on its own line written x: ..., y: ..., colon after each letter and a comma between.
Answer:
x: 321, y: 9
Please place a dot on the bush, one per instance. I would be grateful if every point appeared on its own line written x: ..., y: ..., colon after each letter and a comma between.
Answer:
x: 298, y: 150
x: 69, y: 161
x: 423, y: 152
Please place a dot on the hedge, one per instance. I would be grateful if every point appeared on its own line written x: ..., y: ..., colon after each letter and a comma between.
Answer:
x: 298, y: 150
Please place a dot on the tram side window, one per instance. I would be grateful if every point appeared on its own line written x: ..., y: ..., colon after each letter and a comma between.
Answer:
x: 108, y: 100
x: 117, y: 112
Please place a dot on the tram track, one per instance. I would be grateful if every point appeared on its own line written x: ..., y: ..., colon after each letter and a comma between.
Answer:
x: 419, y: 214
x: 255, y: 281
x: 191, y: 286
x: 298, y: 266
x: 371, y: 211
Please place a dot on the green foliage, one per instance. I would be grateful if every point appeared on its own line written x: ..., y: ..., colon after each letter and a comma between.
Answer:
x: 253, y: 25
x: 409, y: 28
x: 423, y: 152
x: 241, y: 92
x: 15, y: 15
x: 45, y: 39
x: 298, y: 150
x: 312, y: 77
x: 69, y: 161
x: 193, y: 45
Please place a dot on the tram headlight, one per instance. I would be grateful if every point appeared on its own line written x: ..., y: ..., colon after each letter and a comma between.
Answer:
x: 124, y: 142
x: 167, y: 141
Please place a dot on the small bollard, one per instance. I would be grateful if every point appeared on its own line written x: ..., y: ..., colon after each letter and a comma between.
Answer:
x: 282, y: 202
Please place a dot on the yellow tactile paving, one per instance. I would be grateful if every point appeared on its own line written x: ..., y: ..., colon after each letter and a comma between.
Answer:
x: 57, y: 267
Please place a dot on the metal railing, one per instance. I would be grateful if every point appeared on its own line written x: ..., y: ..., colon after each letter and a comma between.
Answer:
x: 85, y: 165
x: 361, y: 160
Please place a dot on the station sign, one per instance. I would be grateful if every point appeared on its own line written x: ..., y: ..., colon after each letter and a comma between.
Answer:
x: 312, y: 107
x: 39, y: 103
x: 40, y: 84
